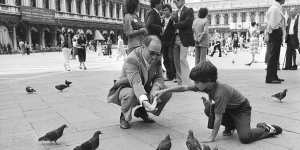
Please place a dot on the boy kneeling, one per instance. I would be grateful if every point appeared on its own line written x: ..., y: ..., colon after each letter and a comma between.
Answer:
x: 231, y: 108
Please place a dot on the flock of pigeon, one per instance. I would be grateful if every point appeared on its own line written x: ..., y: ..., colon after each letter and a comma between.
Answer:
x: 92, y: 144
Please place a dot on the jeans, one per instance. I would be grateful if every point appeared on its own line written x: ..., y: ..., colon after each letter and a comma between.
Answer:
x: 67, y: 53
x: 200, y: 54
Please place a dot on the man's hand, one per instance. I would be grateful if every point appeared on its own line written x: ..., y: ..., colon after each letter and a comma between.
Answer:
x: 150, y: 107
x: 158, y: 93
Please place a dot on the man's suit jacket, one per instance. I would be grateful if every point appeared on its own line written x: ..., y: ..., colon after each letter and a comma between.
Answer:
x: 153, y: 23
x: 136, y: 75
x: 184, y: 24
x: 168, y: 37
x: 295, y: 43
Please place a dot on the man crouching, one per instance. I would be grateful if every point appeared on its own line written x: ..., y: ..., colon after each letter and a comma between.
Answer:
x: 141, y: 76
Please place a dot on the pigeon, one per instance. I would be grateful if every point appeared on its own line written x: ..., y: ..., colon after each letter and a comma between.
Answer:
x: 206, y: 147
x: 165, y: 144
x: 91, y: 144
x: 68, y: 83
x: 192, y: 143
x: 53, y: 135
x: 61, y: 87
x: 281, y: 95
x: 30, y: 90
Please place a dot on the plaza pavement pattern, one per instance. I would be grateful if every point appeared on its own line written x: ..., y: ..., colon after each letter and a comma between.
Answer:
x: 83, y: 106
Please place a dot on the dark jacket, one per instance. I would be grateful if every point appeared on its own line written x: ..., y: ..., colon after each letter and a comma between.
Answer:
x: 168, y: 37
x: 153, y: 23
x: 295, y: 43
x: 184, y: 24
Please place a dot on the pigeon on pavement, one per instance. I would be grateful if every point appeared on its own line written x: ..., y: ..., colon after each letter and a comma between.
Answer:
x: 30, y: 90
x: 53, y: 135
x: 165, y: 144
x: 68, y: 83
x: 61, y: 87
x: 192, y: 143
x: 91, y: 144
x: 281, y: 95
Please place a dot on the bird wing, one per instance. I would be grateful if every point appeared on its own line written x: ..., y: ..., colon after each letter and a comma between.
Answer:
x: 51, y: 136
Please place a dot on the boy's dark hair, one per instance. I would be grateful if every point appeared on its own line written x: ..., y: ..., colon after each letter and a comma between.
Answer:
x: 203, y: 12
x: 253, y: 24
x: 204, y: 72
x: 154, y: 2
x: 131, y: 6
x: 168, y: 7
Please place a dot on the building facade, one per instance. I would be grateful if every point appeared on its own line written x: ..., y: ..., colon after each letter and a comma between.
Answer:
x: 40, y: 21
x: 230, y: 16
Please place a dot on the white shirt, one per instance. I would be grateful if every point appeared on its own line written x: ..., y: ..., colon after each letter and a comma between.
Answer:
x: 275, y: 17
x: 166, y: 22
x: 292, y: 24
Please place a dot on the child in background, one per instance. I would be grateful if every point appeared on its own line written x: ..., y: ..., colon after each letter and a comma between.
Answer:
x: 231, y: 108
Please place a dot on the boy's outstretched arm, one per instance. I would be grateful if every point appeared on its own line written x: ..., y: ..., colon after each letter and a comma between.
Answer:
x: 182, y: 88
x: 214, y: 133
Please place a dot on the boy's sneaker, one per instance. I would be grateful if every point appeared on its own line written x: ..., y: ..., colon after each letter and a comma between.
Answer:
x: 228, y: 132
x: 272, y: 129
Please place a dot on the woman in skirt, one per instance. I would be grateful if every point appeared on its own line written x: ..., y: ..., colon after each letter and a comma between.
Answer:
x: 235, y: 46
x: 254, y: 41
x: 81, y: 42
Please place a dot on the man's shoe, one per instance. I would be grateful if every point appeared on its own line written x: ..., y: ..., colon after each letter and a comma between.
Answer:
x: 228, y: 132
x: 168, y: 79
x: 271, y: 129
x: 142, y: 113
x: 280, y: 79
x: 123, y: 123
x: 295, y: 67
x: 273, y: 82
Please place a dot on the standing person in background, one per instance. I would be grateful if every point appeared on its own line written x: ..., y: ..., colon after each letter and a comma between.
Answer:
x: 200, y: 28
x: 27, y: 48
x: 183, y: 21
x: 235, y: 46
x: 217, y: 38
x: 292, y: 40
x: 275, y: 33
x: 121, y: 52
x: 109, y: 46
x: 22, y: 47
x: 81, y: 44
x: 254, y: 43
x: 153, y: 19
x: 168, y: 40
x: 134, y: 29
x: 66, y: 44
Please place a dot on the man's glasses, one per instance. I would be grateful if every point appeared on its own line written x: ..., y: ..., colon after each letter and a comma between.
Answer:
x: 152, y: 53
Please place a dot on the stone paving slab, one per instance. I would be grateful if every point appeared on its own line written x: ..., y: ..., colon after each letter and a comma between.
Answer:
x: 83, y: 107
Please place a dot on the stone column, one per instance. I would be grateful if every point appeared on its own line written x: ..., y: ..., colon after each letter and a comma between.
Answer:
x: 54, y: 36
x: 63, y: 6
x: 39, y: 3
x: 15, y: 46
x: 107, y: 9
x: 100, y: 13
x: 42, y: 41
x: 73, y: 7
x: 29, y: 35
x: 222, y: 19
x: 248, y: 16
x: 83, y: 8
x: 52, y: 4
x: 239, y: 17
x: 142, y: 15
x: 11, y: 2
x: 114, y: 10
x: 230, y: 20
x: 257, y: 17
x: 213, y: 19
x: 92, y: 8
x: 121, y: 11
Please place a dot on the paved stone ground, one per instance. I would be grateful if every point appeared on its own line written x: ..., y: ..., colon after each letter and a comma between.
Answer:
x: 83, y: 107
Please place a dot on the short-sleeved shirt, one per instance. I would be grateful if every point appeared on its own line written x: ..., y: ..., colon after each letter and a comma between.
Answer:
x: 225, y: 97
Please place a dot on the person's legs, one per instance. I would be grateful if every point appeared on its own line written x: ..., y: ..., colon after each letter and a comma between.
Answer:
x: 177, y: 61
x: 293, y: 53
x: 84, y: 58
x: 184, y: 65
x: 203, y: 52
x: 197, y: 54
x: 66, y: 59
x: 128, y: 101
x: 288, y: 57
x: 80, y: 57
x: 214, y: 50
x: 166, y: 61
x: 172, y: 69
x: 276, y: 39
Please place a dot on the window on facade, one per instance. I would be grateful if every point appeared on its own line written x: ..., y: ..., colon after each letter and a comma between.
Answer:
x: 217, y: 19
x: 32, y: 3
x: 262, y: 17
x: 209, y: 19
x: 87, y: 7
x: 78, y: 5
x: 2, y: 1
x: 57, y: 5
x: 252, y: 16
x: 46, y: 4
x: 18, y: 2
x: 226, y: 19
x: 234, y: 17
x: 118, y: 10
x: 68, y: 5
x: 110, y: 9
x: 104, y: 8
x: 243, y: 16
x: 96, y: 3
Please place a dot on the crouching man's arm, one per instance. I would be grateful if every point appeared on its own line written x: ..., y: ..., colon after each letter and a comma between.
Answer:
x: 175, y: 89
